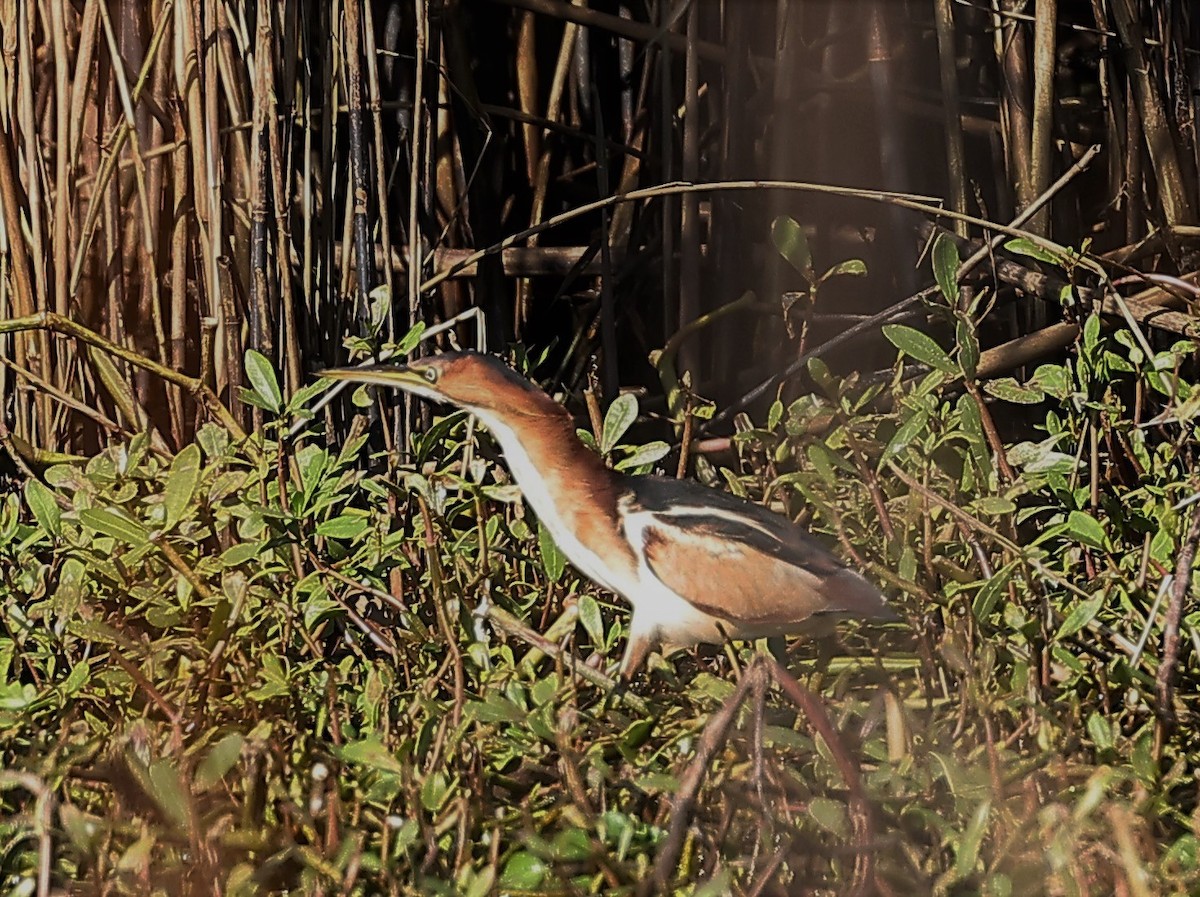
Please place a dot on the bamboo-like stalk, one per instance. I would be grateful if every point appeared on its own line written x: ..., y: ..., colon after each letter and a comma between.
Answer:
x: 375, y: 102
x: 364, y: 262
x: 415, y: 247
x: 1044, y: 63
x: 1177, y: 203
x: 690, y: 306
x: 952, y: 110
x: 291, y: 357
x: 584, y: 15
x: 260, y: 323
x: 1015, y: 96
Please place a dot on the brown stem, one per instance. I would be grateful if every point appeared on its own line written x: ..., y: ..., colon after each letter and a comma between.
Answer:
x: 1165, y: 681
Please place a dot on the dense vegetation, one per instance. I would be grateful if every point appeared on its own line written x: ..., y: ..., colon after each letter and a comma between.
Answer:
x: 258, y: 636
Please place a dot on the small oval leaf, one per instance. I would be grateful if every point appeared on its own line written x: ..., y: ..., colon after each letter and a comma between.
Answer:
x: 552, y: 558
x: 920, y: 347
x: 181, y: 483
x: 219, y: 761
x: 1085, y: 528
x: 621, y: 415
x: 593, y: 623
x: 45, y: 509
x: 113, y: 523
x: 792, y: 243
x: 945, y: 267
x: 262, y: 377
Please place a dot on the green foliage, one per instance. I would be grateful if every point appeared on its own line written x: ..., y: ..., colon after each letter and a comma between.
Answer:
x: 259, y: 668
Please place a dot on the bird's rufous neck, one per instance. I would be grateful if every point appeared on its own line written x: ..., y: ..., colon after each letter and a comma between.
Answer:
x: 573, y: 494
x: 545, y: 447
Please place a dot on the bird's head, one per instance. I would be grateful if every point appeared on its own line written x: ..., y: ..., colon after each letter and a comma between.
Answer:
x: 470, y: 380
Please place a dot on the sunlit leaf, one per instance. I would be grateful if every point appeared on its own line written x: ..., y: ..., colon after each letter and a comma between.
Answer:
x: 646, y: 454
x: 1030, y: 249
x: 589, y: 616
x: 262, y: 378
x: 523, y: 871
x: 919, y: 347
x: 45, y: 509
x: 1086, y: 529
x: 553, y: 559
x: 219, y: 760
x: 116, y: 524
x: 945, y: 267
x: 1010, y: 390
x: 792, y: 243
x: 621, y: 415
x: 182, y: 479
x: 967, y: 855
x: 1080, y: 616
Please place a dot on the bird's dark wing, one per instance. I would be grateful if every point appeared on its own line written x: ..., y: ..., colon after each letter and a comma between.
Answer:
x: 739, y: 561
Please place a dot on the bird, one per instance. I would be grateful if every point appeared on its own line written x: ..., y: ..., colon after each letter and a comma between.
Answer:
x: 697, y: 565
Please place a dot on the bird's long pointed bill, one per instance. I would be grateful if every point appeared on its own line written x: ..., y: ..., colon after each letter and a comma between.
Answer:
x: 380, y: 375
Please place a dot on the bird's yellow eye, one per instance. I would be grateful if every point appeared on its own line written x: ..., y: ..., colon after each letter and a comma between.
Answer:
x: 431, y: 375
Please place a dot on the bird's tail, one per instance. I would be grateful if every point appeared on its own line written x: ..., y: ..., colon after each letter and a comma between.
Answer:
x: 850, y: 593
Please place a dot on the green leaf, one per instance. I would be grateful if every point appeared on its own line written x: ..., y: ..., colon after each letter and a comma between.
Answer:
x: 922, y: 348
x: 371, y: 753
x: 250, y: 397
x: 1009, y: 390
x: 907, y: 432
x: 552, y: 558
x: 1085, y: 528
x: 434, y: 791
x: 524, y: 871
x: 792, y: 243
x: 78, y: 677
x: 380, y: 302
x: 1030, y: 249
x: 1080, y: 616
x: 593, y: 623
x: 621, y: 415
x: 775, y: 415
x: 967, y: 854
x: 167, y: 789
x: 571, y: 845
x: 993, y: 505
x: 45, y: 509
x: 181, y: 483
x: 850, y: 268
x: 219, y: 761
x: 968, y: 347
x: 410, y: 340
x: 1091, y: 334
x: 1052, y: 379
x: 829, y: 814
x: 1100, y: 730
x: 945, y: 267
x: 110, y: 522
x: 646, y: 454
x: 986, y: 597
x: 346, y: 526
x: 262, y: 377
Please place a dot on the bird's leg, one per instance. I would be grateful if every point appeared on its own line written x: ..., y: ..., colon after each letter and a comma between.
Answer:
x: 636, y: 649
x: 777, y: 645
x: 759, y: 692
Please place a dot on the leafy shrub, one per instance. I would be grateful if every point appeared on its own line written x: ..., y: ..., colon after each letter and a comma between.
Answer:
x: 258, y: 667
